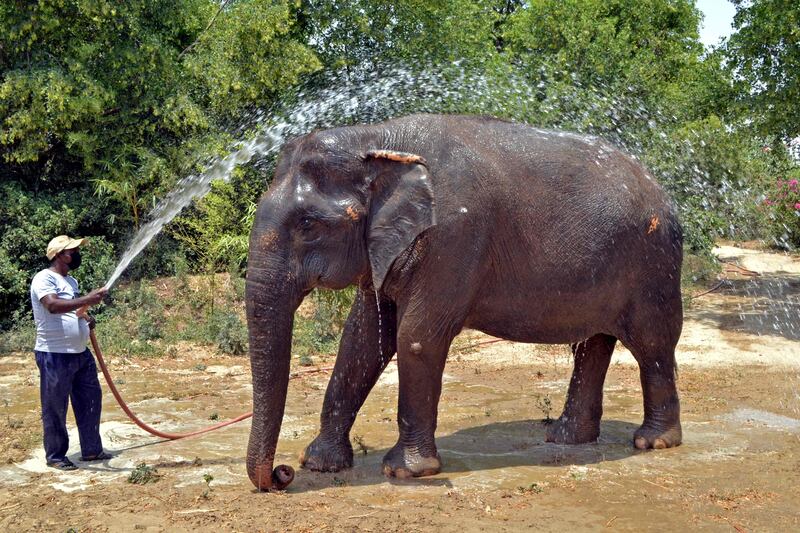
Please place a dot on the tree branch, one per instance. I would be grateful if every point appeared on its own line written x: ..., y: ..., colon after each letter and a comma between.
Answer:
x: 222, y: 6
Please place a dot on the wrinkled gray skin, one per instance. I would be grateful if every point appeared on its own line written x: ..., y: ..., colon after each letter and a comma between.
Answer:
x: 525, y: 234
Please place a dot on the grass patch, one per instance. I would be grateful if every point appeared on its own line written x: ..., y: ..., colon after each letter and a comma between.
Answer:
x: 533, y: 488
x: 144, y: 474
x: 697, y: 274
x: 319, y: 333
x: 21, y: 338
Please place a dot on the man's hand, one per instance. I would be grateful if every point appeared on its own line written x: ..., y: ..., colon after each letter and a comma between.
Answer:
x: 54, y: 304
x: 96, y: 296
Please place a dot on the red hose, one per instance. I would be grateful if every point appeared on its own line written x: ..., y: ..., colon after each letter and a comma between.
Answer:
x: 171, y: 436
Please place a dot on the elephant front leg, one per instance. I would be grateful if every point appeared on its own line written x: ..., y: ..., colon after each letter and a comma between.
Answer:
x: 580, y: 421
x: 420, y: 365
x: 361, y: 360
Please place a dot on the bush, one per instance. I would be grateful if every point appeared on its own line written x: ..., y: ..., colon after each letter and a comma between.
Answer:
x: 21, y: 338
x: 320, y: 334
x: 131, y: 322
x: 148, y: 326
x: 157, y: 259
x: 144, y: 474
x: 782, y: 207
x: 228, y: 332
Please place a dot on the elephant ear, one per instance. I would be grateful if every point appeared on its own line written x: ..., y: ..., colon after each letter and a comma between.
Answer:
x: 401, y: 206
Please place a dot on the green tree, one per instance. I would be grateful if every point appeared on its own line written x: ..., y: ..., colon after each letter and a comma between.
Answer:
x: 120, y: 100
x: 248, y: 56
x: 365, y: 34
x: 764, y: 58
x: 130, y: 93
x: 631, y: 46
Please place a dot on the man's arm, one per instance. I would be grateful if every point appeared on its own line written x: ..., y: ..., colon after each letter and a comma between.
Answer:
x: 55, y: 305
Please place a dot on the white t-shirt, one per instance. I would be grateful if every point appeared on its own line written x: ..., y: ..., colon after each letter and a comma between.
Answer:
x: 57, y: 332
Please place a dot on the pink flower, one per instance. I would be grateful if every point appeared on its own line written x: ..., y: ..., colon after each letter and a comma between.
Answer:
x: 793, y: 184
x: 797, y: 206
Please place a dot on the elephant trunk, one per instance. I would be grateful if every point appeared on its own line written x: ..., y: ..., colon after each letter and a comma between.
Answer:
x: 271, y: 303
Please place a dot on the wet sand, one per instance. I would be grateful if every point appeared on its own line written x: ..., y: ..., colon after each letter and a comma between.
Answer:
x: 737, y: 470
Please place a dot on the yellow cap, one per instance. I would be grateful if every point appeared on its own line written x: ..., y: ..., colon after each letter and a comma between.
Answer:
x: 61, y: 243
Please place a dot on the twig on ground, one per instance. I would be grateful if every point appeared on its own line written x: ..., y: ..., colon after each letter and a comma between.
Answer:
x: 608, y: 524
x: 737, y: 527
x: 656, y: 484
x: 362, y: 515
x: 712, y: 289
x: 741, y: 270
x: 477, y: 344
x: 298, y: 373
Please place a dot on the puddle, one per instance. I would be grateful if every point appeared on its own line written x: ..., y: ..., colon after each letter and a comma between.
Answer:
x: 765, y: 419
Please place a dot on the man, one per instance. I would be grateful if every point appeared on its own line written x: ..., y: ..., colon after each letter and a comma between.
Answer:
x: 66, y: 366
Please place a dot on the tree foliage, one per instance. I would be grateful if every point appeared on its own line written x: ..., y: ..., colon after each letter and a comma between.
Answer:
x: 764, y: 55
x: 631, y: 44
x: 117, y: 100
x: 104, y: 105
x: 131, y: 93
x: 365, y: 34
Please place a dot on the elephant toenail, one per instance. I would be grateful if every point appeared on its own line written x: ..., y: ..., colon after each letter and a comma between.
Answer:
x: 402, y: 473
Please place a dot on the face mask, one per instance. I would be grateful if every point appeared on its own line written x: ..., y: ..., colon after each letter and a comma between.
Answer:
x: 75, y: 259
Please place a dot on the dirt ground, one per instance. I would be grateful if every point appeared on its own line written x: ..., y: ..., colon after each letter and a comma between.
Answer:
x: 737, y: 470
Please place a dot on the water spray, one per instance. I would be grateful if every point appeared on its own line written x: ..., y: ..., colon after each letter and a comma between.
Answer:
x: 393, y: 92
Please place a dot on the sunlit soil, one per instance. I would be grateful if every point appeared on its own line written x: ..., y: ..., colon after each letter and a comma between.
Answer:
x: 738, y: 468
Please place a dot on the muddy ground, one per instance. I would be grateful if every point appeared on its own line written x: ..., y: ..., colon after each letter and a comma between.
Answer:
x: 737, y: 470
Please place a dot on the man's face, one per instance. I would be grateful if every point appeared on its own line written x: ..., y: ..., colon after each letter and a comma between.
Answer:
x: 72, y: 258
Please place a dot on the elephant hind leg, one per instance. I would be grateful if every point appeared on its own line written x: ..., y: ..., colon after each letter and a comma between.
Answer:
x: 652, y: 338
x: 580, y: 421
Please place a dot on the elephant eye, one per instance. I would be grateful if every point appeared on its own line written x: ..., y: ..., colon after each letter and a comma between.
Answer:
x: 306, y: 223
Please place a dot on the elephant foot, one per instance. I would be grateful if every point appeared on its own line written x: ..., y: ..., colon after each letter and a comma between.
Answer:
x: 568, y: 430
x: 407, y: 462
x: 657, y: 437
x: 322, y: 456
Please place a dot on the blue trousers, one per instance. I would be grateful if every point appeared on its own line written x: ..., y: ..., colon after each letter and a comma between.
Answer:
x: 63, y: 377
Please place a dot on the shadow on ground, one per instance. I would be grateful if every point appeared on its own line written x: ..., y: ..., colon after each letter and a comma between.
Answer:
x: 482, y: 449
x: 765, y: 306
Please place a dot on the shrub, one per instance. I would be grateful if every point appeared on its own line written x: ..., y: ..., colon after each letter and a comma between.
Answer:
x: 21, y: 338
x: 144, y: 474
x: 148, y: 326
x: 320, y: 333
x: 228, y: 332
x: 782, y: 206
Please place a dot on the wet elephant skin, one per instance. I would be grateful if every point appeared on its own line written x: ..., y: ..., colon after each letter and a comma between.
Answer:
x: 445, y: 222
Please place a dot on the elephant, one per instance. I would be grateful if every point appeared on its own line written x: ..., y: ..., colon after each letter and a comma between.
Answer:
x: 445, y: 222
